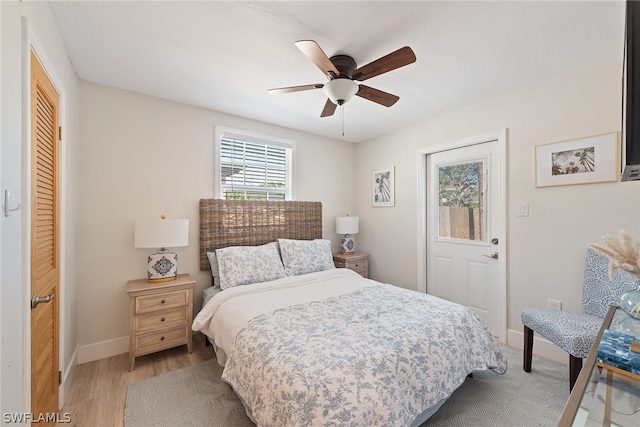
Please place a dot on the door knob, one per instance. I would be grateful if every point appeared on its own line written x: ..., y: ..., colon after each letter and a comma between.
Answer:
x: 493, y: 255
x: 36, y: 299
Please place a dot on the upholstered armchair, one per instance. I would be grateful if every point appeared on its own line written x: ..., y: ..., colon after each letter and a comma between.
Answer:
x: 575, y: 332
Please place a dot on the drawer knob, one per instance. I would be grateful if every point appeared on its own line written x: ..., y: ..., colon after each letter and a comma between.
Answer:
x: 162, y: 319
x: 162, y: 338
x: 162, y: 301
x: 357, y: 265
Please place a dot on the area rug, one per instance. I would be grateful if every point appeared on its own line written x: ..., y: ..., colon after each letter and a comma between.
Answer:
x: 191, y: 396
x: 515, y: 399
x: 195, y: 396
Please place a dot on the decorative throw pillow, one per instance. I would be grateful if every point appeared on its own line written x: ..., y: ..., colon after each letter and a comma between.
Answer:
x: 306, y: 256
x: 244, y: 265
x: 215, y: 272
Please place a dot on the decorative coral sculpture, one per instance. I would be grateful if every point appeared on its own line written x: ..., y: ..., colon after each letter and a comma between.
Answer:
x: 622, y: 254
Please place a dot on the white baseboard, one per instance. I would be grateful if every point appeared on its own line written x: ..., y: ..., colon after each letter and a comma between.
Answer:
x: 67, y: 378
x: 100, y: 350
x: 103, y: 349
x: 541, y: 347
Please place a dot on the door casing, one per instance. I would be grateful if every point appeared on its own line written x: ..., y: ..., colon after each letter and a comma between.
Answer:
x: 501, y: 137
x: 45, y: 272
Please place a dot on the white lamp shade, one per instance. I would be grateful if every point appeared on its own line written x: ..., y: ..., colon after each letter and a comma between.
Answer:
x: 340, y: 90
x: 347, y: 225
x: 161, y: 233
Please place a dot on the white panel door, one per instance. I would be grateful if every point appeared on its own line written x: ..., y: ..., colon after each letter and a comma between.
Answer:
x: 462, y: 228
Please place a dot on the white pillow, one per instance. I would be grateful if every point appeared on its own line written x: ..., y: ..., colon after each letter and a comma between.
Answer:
x: 215, y: 272
x: 306, y: 256
x: 243, y: 265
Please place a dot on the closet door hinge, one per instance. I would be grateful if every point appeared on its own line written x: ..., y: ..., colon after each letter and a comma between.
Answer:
x: 59, y: 377
x: 59, y: 133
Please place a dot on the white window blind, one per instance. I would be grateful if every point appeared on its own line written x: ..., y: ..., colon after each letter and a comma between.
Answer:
x: 254, y: 168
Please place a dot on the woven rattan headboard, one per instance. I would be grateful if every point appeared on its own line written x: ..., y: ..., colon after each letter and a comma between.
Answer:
x: 250, y: 223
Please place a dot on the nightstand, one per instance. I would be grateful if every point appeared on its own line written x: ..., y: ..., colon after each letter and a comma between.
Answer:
x: 160, y: 315
x: 356, y: 261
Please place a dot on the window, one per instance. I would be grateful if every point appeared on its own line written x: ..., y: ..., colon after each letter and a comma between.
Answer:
x: 461, y: 201
x: 253, y: 167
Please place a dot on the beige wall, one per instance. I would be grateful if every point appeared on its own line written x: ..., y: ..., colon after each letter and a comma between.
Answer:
x: 546, y: 249
x: 137, y: 149
x: 142, y: 157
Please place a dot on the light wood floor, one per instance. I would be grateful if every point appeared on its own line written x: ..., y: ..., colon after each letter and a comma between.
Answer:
x: 99, y: 388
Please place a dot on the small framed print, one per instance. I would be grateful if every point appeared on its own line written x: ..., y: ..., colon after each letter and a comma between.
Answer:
x: 578, y: 161
x: 383, y: 187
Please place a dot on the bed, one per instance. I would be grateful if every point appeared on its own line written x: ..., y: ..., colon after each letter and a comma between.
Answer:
x: 304, y: 343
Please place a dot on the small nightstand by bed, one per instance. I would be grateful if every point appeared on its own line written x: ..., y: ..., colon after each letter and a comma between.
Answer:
x: 160, y: 315
x: 356, y: 261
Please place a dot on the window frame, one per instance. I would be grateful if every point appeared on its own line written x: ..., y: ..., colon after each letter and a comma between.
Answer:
x: 223, y: 131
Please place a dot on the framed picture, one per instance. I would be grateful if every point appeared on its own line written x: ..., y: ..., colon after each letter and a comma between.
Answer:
x: 383, y: 186
x: 578, y: 161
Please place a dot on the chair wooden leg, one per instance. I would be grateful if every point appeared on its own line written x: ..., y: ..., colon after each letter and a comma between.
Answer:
x: 528, y: 349
x: 575, y: 366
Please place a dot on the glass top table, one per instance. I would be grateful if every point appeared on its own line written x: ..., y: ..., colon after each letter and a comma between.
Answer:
x: 605, y: 396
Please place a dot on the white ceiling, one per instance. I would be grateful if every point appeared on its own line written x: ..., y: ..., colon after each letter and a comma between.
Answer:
x: 224, y: 55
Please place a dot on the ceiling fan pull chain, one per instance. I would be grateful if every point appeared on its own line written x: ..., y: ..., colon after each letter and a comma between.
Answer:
x: 342, y: 117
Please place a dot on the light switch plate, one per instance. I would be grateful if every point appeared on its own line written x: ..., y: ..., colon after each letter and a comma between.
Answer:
x: 523, y: 209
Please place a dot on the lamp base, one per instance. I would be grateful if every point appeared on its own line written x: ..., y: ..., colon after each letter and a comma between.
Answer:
x: 162, y: 267
x: 347, y: 244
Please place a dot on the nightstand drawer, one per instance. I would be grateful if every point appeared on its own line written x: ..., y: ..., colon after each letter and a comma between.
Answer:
x: 156, y: 341
x: 362, y: 271
x: 340, y: 263
x: 148, y: 303
x: 357, y: 265
x: 164, y: 319
x: 351, y: 264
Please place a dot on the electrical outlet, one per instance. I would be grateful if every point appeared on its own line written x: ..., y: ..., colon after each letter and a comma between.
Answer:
x: 554, y: 304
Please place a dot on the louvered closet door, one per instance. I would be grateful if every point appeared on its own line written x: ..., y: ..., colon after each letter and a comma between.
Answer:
x: 44, y: 243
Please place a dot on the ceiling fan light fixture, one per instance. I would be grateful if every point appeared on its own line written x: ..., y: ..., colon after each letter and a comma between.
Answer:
x: 340, y: 91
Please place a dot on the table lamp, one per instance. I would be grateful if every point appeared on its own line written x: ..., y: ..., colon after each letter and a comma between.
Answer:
x: 347, y: 225
x: 162, y: 266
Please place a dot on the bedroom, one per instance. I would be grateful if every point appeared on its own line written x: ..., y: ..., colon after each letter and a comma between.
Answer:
x: 111, y: 135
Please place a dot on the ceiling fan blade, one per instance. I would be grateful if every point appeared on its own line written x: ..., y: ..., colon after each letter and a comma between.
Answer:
x: 377, y: 96
x: 317, y: 56
x: 329, y: 109
x: 295, y: 88
x: 399, y: 58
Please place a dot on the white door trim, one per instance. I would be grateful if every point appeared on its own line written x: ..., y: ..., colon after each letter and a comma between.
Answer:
x: 30, y: 42
x: 501, y: 137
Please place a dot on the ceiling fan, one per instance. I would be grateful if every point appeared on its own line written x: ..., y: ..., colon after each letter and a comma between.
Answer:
x: 343, y: 73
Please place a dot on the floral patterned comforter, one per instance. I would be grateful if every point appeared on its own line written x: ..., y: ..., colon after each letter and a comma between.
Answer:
x: 377, y: 356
